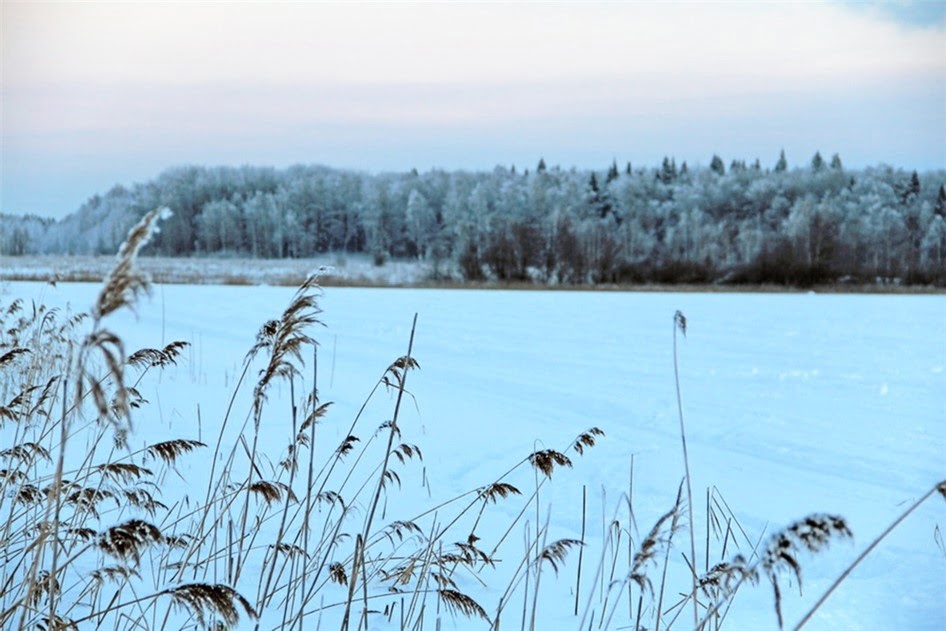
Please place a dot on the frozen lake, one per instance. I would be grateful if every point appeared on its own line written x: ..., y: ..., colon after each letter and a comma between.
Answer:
x: 794, y: 403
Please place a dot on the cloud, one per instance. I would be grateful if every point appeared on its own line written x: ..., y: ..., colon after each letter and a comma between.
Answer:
x: 469, y: 43
x: 464, y: 84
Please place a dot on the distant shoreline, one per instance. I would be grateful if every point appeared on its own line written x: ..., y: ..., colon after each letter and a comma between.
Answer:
x: 357, y: 270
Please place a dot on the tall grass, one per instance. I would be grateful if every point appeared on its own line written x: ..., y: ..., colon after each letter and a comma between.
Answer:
x: 94, y: 534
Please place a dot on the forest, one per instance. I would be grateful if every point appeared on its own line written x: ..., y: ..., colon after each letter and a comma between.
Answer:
x: 819, y: 223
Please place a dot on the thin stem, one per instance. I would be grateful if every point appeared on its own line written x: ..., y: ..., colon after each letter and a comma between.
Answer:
x: 941, y: 488
x: 359, y: 557
x: 679, y: 322
x: 581, y: 549
x: 663, y: 577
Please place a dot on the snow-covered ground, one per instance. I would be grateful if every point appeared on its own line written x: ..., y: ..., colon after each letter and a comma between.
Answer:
x: 340, y: 268
x: 794, y: 404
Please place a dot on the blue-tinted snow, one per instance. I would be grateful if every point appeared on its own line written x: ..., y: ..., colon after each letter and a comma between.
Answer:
x: 794, y: 403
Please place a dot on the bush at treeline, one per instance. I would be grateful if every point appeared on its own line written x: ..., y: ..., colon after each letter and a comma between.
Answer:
x: 737, y: 224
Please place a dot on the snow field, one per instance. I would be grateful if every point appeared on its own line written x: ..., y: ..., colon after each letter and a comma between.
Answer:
x: 793, y: 404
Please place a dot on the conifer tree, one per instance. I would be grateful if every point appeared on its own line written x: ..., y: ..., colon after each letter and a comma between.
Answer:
x: 817, y: 162
x: 782, y: 165
x: 717, y: 166
x: 668, y: 171
x: 914, y: 189
x: 612, y: 172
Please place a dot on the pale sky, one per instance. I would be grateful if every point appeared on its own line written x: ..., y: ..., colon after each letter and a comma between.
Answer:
x: 100, y: 93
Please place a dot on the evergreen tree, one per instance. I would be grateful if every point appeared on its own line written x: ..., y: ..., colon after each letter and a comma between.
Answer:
x: 912, y: 190
x: 782, y: 165
x: 668, y: 171
x: 541, y: 166
x: 612, y: 172
x: 817, y: 162
x: 598, y: 200
x: 717, y: 166
x: 628, y: 170
x: 836, y: 163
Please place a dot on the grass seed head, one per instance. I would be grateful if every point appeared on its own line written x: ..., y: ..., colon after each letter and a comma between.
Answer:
x: 547, y: 459
x: 813, y: 533
x: 124, y: 283
x: 203, y: 599
x: 457, y: 602
x: 169, y: 451
x: 126, y: 541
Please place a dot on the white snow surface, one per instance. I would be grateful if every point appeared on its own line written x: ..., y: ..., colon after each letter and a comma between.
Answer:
x: 794, y: 404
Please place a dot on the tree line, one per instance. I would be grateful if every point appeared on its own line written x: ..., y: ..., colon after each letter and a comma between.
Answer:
x: 740, y: 223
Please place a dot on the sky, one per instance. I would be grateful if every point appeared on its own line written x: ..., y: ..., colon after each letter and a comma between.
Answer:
x: 96, y: 94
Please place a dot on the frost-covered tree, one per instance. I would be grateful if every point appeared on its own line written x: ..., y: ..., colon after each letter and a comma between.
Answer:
x: 933, y: 247
x: 219, y: 227
x: 940, y: 208
x: 562, y: 225
x: 422, y: 226
x: 22, y: 235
